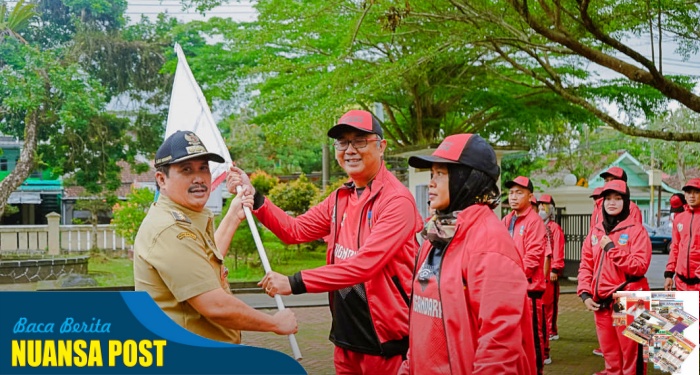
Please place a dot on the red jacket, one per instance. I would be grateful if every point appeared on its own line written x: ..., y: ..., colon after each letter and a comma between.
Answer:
x: 530, y: 237
x: 622, y: 267
x: 556, y: 242
x: 382, y: 224
x: 483, y: 294
x: 597, y: 215
x: 684, y: 258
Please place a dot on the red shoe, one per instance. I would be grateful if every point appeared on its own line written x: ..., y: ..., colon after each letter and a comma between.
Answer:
x: 599, y: 352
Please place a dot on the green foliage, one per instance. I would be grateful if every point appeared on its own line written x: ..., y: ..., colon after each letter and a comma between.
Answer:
x: 127, y: 216
x: 10, y: 210
x: 11, y: 22
x: 263, y: 182
x: 242, y: 243
x: 520, y: 164
x: 296, y: 196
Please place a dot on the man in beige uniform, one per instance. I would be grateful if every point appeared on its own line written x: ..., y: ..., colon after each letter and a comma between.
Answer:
x: 176, y: 253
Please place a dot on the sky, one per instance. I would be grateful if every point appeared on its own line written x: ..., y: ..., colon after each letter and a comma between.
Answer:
x: 238, y: 10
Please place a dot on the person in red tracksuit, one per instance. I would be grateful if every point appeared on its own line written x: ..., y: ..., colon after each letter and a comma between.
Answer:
x: 596, y: 214
x: 555, y: 238
x: 469, y: 307
x: 613, y: 173
x: 684, y: 258
x: 529, y: 234
x: 615, y: 256
x: 370, y: 224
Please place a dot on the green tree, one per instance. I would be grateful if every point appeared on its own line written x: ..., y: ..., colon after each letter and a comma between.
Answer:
x: 296, y: 196
x: 553, y: 42
x: 96, y: 206
x: 54, y: 95
x: 428, y: 79
x: 127, y: 216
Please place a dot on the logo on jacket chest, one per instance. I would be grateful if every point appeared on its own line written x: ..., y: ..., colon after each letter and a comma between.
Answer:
x: 594, y: 240
x: 680, y: 227
x: 522, y: 230
x: 624, y: 238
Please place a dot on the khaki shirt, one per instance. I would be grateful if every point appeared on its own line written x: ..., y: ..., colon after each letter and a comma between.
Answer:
x: 175, y: 259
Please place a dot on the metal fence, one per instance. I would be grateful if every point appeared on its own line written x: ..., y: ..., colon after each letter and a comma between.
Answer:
x: 575, y: 229
x: 72, y: 238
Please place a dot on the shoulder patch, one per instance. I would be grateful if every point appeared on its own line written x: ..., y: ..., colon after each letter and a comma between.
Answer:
x: 187, y: 235
x: 179, y: 216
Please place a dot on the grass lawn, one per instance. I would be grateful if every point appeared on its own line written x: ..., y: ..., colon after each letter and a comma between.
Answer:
x: 120, y: 272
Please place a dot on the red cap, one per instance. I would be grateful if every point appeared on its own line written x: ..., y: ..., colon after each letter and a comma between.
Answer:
x: 546, y: 198
x: 596, y: 193
x: 617, y: 186
x: 616, y: 173
x: 358, y: 120
x: 677, y: 202
x: 692, y: 183
x: 521, y: 181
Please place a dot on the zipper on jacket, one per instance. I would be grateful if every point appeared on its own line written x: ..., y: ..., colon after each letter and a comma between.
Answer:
x: 439, y: 280
x: 690, y: 240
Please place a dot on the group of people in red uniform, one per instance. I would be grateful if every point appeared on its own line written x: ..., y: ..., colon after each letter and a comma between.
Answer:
x: 479, y: 295
x: 616, y: 255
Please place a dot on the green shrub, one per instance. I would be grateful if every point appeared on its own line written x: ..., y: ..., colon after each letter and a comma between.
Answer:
x: 127, y: 216
x: 263, y: 182
x: 294, y: 197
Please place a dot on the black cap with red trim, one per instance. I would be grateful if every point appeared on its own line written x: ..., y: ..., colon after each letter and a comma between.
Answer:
x: 616, y: 173
x: 356, y: 120
x: 693, y: 183
x: 520, y: 181
x: 466, y: 149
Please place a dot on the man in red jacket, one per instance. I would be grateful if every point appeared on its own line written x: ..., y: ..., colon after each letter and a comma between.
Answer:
x: 370, y: 225
x: 684, y: 258
x: 555, y: 239
x: 529, y: 234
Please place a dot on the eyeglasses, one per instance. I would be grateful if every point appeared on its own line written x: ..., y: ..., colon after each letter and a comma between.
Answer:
x: 356, y: 143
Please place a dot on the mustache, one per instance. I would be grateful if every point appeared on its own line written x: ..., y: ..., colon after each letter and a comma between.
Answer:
x: 196, y: 187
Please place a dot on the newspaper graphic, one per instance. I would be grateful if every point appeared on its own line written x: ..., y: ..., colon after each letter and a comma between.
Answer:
x: 647, y: 324
x: 680, y: 320
x: 673, y: 353
x: 628, y: 306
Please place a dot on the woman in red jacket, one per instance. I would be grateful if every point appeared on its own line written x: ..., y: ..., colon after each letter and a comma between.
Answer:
x: 615, y: 256
x: 469, y: 310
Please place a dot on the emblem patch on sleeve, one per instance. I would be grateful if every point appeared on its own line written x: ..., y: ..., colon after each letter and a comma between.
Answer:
x: 187, y: 235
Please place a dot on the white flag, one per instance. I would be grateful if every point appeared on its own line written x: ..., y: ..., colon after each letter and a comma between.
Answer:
x: 189, y: 111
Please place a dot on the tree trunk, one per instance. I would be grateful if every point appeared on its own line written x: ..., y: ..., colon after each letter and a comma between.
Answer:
x: 25, y: 164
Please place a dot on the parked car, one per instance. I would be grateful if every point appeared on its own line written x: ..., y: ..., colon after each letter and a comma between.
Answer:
x: 660, y: 238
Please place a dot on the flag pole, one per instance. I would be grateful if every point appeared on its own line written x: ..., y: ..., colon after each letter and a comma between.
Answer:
x: 183, y: 114
x: 268, y: 268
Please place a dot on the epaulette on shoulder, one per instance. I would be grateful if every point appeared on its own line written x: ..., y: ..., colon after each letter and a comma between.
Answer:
x: 181, y: 217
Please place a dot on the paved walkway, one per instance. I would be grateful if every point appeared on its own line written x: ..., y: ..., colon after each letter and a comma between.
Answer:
x: 571, y: 354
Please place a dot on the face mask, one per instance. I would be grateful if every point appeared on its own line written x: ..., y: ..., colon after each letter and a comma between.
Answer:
x: 544, y: 215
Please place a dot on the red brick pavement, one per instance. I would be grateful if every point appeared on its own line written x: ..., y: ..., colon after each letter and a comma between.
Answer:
x: 571, y: 354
